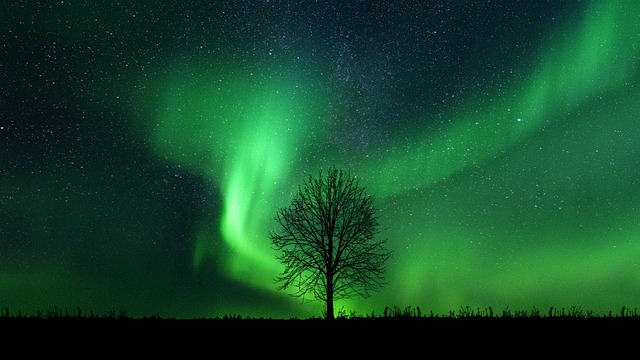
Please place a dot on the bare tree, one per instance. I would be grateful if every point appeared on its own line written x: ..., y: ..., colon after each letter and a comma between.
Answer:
x: 326, y: 240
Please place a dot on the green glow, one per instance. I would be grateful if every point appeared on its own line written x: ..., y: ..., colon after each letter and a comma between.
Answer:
x: 574, y: 84
x: 524, y: 196
x: 253, y: 132
x: 245, y: 134
x: 261, y: 159
x: 198, y: 118
x: 569, y: 77
x: 56, y: 280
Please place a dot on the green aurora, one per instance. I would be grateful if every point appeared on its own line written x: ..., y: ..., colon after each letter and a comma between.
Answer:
x: 521, y: 194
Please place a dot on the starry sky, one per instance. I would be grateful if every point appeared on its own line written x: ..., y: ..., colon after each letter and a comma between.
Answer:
x: 146, y: 146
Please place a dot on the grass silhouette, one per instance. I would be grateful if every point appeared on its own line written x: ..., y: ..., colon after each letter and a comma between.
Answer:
x: 389, y: 313
x: 473, y: 329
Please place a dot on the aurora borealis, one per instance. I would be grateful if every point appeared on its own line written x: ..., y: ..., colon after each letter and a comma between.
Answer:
x: 145, y: 148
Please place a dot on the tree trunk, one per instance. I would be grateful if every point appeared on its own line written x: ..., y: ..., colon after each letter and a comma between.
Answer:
x: 330, y: 315
x: 330, y: 307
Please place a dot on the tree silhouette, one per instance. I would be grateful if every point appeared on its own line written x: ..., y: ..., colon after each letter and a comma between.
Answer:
x: 326, y: 240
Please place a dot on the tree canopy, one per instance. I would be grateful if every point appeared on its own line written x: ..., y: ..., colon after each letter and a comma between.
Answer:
x: 326, y: 240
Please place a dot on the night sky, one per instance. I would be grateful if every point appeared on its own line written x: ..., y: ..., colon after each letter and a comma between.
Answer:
x: 145, y: 147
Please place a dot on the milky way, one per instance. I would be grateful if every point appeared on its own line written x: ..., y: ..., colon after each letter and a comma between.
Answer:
x: 145, y: 148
